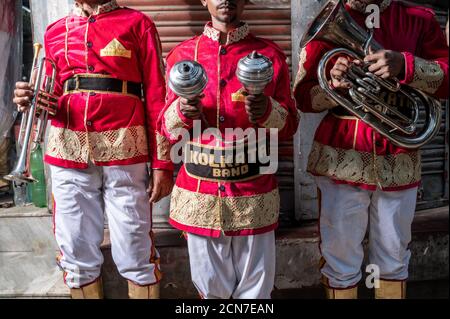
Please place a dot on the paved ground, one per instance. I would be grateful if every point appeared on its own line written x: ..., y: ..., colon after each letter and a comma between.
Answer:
x: 433, y: 289
x: 28, y: 250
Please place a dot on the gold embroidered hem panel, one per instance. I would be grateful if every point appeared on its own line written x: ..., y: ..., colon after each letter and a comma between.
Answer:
x: 364, y: 167
x: 113, y: 145
x: 224, y: 213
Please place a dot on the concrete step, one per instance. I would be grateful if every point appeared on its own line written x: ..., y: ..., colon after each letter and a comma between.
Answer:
x: 27, y: 255
x: 28, y: 250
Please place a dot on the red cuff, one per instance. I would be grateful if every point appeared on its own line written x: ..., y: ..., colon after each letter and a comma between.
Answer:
x: 163, y: 165
x: 409, y: 68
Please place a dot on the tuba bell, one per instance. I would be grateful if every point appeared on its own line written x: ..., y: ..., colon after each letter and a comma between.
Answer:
x: 34, y: 120
x: 408, y: 127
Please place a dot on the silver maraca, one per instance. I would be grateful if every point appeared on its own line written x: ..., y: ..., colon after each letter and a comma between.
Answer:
x: 254, y: 71
x: 187, y: 79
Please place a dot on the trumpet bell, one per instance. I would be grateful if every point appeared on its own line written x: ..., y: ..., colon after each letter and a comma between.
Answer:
x: 317, y: 26
x: 19, y: 177
x: 335, y: 25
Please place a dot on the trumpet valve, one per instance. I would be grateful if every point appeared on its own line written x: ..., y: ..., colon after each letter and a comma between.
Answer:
x: 47, y: 102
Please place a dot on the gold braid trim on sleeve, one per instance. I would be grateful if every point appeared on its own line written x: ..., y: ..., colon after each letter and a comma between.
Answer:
x: 172, y: 121
x: 162, y: 147
x: 301, y: 68
x: 277, y: 117
x: 428, y: 75
x: 320, y: 101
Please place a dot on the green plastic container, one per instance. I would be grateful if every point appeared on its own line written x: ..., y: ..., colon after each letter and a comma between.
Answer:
x: 38, y: 189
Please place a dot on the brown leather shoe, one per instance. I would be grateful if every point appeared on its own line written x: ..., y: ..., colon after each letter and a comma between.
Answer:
x: 339, y: 293
x: 90, y: 291
x: 391, y: 289
x: 346, y: 293
x: 143, y: 292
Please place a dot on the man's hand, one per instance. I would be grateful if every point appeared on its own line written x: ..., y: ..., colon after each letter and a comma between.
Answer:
x: 256, y: 106
x: 22, y: 96
x: 386, y: 64
x: 338, y: 73
x: 161, y: 185
x: 192, y: 108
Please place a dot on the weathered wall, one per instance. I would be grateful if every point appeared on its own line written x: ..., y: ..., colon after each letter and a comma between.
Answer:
x: 46, y: 12
x: 303, y: 12
x: 10, y: 60
x: 43, y: 13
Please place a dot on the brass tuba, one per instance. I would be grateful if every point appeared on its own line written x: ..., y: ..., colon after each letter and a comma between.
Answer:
x: 409, y: 127
x: 34, y: 120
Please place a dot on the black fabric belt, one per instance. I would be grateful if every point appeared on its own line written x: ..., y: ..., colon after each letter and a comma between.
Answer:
x: 102, y: 85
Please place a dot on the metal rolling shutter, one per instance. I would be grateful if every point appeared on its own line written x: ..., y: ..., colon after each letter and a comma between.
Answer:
x: 178, y: 20
x: 434, y: 189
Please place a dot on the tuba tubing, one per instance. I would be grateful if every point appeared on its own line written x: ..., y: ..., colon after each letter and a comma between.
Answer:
x: 380, y: 122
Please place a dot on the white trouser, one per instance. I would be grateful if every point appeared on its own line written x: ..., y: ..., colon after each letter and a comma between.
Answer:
x: 81, y: 198
x: 345, y: 213
x: 242, y: 267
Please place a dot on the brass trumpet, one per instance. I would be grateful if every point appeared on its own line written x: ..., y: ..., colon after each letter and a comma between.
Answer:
x: 34, y: 120
x: 334, y: 25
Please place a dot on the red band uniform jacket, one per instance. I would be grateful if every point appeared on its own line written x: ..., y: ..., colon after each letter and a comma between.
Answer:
x: 210, y: 208
x: 348, y: 150
x: 106, y: 128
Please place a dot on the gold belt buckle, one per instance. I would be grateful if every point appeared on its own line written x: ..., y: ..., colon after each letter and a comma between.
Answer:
x: 77, y: 82
x: 124, y: 87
